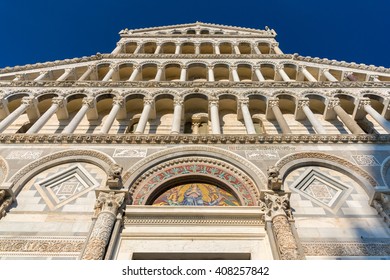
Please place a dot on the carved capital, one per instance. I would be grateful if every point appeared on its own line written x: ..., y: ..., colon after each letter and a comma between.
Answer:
x: 118, y: 100
x: 363, y: 102
x: 214, y: 102
x: 114, y: 67
x: 244, y: 102
x: 178, y: 101
x: 28, y: 100
x: 108, y: 202
x: 273, y: 103
x: 92, y: 67
x: 333, y: 103
x: 148, y: 101
x: 275, y: 205
x: 280, y: 67
x: 302, y: 103
x: 59, y: 101
x: 90, y: 101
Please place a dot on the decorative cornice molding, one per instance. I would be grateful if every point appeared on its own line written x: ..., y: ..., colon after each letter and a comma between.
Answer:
x: 191, y: 84
x: 192, y: 139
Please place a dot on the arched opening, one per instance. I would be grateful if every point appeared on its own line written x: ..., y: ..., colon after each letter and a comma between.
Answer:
x: 102, y: 71
x: 245, y: 72
x: 264, y: 48
x: 225, y: 48
x: 204, y: 31
x: 228, y: 115
x: 245, y: 48
x: 221, y: 73
x: 197, y: 72
x: 172, y: 72
x: 196, y: 114
x: 291, y: 71
x: 206, y: 48
x: 149, y: 48
x: 134, y: 107
x: 125, y: 71
x: 168, y: 48
x: 130, y: 47
x: 268, y: 71
x: 188, y: 48
x: 191, y: 31
x: 162, y: 123
x: 148, y: 72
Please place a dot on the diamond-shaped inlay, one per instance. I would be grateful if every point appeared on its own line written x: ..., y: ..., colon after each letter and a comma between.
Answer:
x: 322, y: 189
x: 65, y: 186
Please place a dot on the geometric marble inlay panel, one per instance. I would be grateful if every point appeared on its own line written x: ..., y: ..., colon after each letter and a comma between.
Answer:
x: 321, y: 189
x: 365, y: 160
x: 65, y: 186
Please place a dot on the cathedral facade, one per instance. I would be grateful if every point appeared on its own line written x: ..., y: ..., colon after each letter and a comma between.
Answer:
x: 195, y: 141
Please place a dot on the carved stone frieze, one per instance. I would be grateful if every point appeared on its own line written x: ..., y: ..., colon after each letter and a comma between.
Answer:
x: 44, y: 245
x: 382, y: 205
x: 346, y: 249
x: 192, y: 139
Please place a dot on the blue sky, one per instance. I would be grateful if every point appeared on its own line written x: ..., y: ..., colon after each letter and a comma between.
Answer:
x: 39, y: 31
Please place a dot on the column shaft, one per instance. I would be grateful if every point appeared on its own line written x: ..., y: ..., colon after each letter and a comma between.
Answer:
x: 216, y: 49
x: 378, y: 117
x: 215, y: 126
x: 13, y: 116
x: 110, y: 119
x: 176, y: 122
x: 347, y: 120
x: 134, y: 74
x: 86, y: 74
x: 211, y: 75
x: 43, y: 119
x: 250, y: 128
x: 183, y: 74
x: 157, y: 51
x: 137, y: 49
x: 108, y: 75
x: 313, y: 120
x: 177, y: 49
x: 329, y: 76
x: 257, y: 50
x: 65, y: 75
x: 71, y: 127
x: 236, y: 78
x: 308, y: 75
x: 144, y: 118
x: 259, y: 76
x: 283, y: 74
x: 281, y: 120
x: 158, y: 74
x: 236, y: 49
x: 41, y: 76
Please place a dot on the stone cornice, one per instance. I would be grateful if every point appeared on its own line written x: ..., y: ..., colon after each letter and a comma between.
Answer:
x: 193, y: 139
x: 178, y: 84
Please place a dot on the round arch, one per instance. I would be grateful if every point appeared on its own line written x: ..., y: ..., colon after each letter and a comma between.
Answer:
x: 301, y: 159
x: 210, y: 164
x: 94, y: 157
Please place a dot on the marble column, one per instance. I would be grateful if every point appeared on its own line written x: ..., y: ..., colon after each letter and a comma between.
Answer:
x: 304, y: 105
x: 27, y: 101
x: 276, y: 49
x: 215, y: 126
x: 66, y: 74
x: 144, y: 116
x: 211, y: 74
x: 113, y: 69
x: 282, y: 73
x: 328, y: 75
x: 177, y: 113
x: 376, y: 116
x: 345, y: 118
x: 88, y: 103
x: 118, y: 49
x: 195, y: 127
x: 117, y: 103
x: 183, y: 74
x: 236, y: 78
x: 91, y: 68
x: 57, y: 102
x: 138, y: 48
x: 274, y: 104
x: 177, y: 49
x: 236, y: 49
x: 279, y: 221
x: 106, y: 210
x: 259, y: 76
x: 256, y: 49
x: 41, y: 76
x: 159, y: 73
x: 158, y: 48
x: 134, y: 73
x: 250, y: 128
x: 197, y: 48
x: 307, y: 74
x: 216, y: 49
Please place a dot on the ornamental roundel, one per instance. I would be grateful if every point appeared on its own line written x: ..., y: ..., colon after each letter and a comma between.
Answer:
x: 194, y: 181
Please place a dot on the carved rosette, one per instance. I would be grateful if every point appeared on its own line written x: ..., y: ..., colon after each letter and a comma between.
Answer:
x: 106, y: 209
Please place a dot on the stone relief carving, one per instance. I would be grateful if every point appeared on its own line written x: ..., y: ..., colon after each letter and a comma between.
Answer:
x: 288, y: 247
x: 5, y: 202
x: 274, y: 180
x: 114, y: 179
x: 382, y: 205
x: 346, y: 249
x: 41, y: 245
x: 365, y: 160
